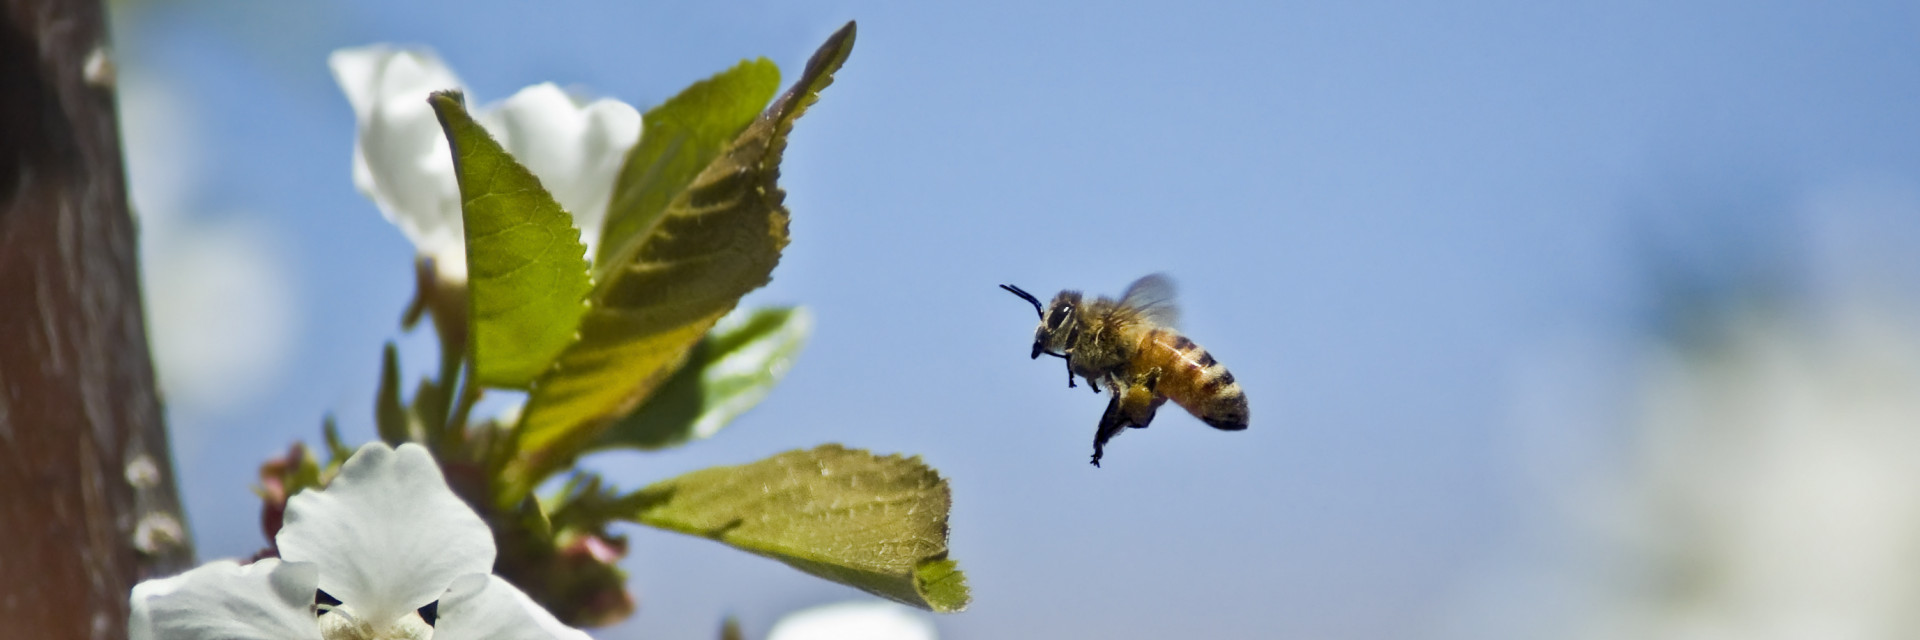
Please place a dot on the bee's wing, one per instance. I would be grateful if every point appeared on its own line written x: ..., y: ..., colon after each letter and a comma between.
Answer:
x: 1151, y: 299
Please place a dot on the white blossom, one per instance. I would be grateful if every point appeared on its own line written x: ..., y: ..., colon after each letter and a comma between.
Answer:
x: 222, y: 308
x: 402, y: 161
x: 857, y: 620
x: 1774, y: 492
x: 386, y: 539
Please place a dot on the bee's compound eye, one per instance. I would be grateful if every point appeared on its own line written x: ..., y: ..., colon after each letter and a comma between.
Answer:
x: 1057, y: 316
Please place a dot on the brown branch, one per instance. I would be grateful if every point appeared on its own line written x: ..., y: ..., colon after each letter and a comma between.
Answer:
x: 87, y: 499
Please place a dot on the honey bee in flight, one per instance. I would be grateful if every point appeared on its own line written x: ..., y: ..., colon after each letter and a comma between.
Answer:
x: 1131, y: 347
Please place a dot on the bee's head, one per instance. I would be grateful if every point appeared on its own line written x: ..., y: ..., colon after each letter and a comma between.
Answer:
x: 1056, y: 320
x: 1056, y: 325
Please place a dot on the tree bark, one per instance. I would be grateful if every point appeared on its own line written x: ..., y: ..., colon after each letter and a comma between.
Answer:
x: 87, y: 499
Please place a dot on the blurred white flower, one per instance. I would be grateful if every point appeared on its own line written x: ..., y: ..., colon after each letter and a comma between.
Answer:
x: 222, y: 312
x: 1748, y: 474
x: 399, y: 555
x: 401, y: 159
x: 220, y: 305
x: 165, y: 149
x: 858, y: 620
x: 1774, y: 492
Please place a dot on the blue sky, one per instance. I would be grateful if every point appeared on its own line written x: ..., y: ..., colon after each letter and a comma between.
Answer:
x: 1383, y: 218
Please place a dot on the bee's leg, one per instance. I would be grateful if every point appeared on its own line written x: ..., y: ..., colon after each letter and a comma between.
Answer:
x: 1073, y: 337
x: 1138, y: 402
x: 1111, y: 423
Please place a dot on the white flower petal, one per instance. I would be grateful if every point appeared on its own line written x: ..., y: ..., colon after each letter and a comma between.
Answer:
x: 485, y: 607
x: 576, y: 150
x: 140, y: 617
x: 400, y: 158
x: 388, y: 532
x: 373, y: 74
x: 859, y: 620
x: 266, y: 600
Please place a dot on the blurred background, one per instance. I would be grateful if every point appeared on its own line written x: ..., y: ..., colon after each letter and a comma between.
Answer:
x: 1557, y: 320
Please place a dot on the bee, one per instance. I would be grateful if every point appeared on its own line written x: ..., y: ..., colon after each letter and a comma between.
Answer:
x: 1130, y: 346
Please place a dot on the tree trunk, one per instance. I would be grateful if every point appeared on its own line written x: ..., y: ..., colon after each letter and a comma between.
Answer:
x: 87, y: 499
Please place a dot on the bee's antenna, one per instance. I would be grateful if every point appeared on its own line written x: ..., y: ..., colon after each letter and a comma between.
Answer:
x: 1037, y: 308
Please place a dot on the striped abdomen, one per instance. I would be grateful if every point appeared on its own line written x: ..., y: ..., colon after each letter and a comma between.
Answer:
x: 1191, y: 378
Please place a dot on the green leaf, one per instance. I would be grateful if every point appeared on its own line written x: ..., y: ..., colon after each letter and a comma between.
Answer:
x: 718, y: 240
x: 729, y: 372
x: 337, y: 449
x: 586, y: 503
x: 682, y: 136
x: 389, y: 413
x: 305, y: 472
x: 526, y: 269
x: 878, y: 523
